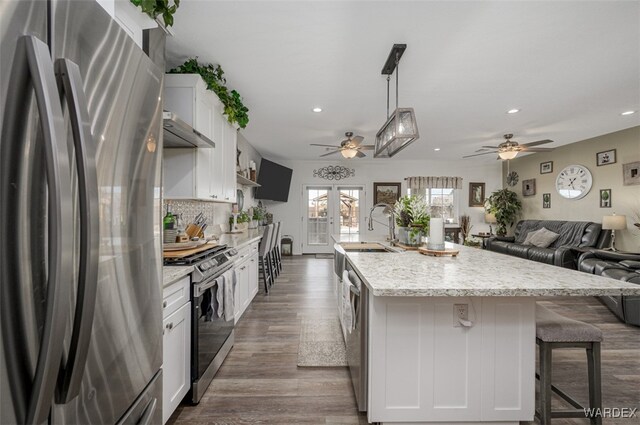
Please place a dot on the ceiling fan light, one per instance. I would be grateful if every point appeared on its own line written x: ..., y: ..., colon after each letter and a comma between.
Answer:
x: 400, y: 130
x: 349, y: 153
x: 507, y: 154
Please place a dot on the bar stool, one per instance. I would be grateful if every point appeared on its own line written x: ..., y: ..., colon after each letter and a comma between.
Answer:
x: 263, y: 257
x: 277, y: 247
x: 275, y: 250
x: 555, y: 331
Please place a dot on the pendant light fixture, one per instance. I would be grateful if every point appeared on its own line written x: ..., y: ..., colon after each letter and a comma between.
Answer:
x: 400, y: 129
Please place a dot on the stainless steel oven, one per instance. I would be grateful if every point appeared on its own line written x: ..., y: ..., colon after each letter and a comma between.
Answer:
x: 212, y: 333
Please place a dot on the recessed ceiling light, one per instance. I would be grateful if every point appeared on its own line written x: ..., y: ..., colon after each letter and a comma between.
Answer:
x: 628, y: 112
x: 513, y: 111
x: 317, y: 109
x: 436, y: 149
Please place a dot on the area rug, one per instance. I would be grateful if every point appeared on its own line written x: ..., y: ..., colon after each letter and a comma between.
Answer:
x: 321, y: 343
x: 324, y: 256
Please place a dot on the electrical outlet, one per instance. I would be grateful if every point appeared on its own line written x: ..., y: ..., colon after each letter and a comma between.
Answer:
x: 460, y: 312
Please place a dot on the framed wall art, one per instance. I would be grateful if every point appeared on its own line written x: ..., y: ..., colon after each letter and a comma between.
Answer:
x: 476, y: 194
x: 546, y: 200
x: 605, y: 198
x: 546, y: 167
x: 528, y: 187
x: 631, y: 173
x: 606, y: 157
x: 388, y: 193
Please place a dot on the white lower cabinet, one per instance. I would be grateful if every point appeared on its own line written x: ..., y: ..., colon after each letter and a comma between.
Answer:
x: 246, y: 279
x: 176, y: 346
x: 424, y: 368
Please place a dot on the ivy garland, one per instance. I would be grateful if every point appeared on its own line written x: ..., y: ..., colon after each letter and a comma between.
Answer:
x: 213, y: 76
x: 155, y: 8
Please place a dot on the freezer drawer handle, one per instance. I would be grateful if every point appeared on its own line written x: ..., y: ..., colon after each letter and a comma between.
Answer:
x: 33, y: 391
x: 70, y: 87
x: 147, y: 416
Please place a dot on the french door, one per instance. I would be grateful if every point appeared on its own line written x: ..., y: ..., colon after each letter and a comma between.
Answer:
x: 327, y: 210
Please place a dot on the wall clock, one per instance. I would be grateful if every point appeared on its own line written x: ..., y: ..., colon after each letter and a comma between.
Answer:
x: 512, y: 178
x: 574, y: 182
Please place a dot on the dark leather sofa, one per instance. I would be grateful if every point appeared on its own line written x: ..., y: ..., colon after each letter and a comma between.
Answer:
x: 573, y: 234
x: 616, y: 265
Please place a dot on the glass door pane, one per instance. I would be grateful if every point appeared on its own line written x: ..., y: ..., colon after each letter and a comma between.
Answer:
x: 349, y: 210
x: 318, y: 216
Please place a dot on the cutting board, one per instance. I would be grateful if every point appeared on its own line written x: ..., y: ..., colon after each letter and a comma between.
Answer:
x: 438, y: 253
x: 186, y: 252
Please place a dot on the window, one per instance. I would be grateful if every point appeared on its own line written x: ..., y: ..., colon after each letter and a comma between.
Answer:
x: 443, y: 202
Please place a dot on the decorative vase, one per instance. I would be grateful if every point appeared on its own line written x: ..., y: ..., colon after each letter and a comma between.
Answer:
x: 410, y: 236
x: 253, y: 224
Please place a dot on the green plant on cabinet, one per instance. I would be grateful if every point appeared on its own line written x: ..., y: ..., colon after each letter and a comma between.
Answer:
x: 155, y: 8
x: 213, y: 77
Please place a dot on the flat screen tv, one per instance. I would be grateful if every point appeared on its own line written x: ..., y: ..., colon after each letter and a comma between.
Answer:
x: 274, y: 181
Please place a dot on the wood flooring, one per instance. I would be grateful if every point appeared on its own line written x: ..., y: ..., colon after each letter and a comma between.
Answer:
x: 259, y: 382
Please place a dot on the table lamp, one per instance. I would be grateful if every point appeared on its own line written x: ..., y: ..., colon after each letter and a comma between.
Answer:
x: 491, y: 219
x: 613, y: 223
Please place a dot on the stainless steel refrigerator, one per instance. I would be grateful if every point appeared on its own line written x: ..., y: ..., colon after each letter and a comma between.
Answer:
x: 80, y: 264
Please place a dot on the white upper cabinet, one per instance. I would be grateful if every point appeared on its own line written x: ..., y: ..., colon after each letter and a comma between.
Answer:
x: 130, y: 18
x: 207, y: 173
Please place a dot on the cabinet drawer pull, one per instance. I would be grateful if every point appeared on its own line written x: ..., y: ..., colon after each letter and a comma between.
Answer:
x: 164, y: 304
x: 170, y: 326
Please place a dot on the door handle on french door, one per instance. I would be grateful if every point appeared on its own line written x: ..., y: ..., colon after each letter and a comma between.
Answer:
x: 71, y: 90
x: 33, y: 65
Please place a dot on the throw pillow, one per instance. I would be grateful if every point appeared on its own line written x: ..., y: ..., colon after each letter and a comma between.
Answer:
x: 527, y: 240
x: 543, y: 238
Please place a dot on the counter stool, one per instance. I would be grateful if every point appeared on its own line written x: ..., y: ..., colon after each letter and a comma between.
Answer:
x: 276, y: 249
x: 264, y: 257
x: 556, y: 331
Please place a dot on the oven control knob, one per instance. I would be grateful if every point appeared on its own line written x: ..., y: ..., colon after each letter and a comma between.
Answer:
x: 204, y: 266
x: 233, y: 252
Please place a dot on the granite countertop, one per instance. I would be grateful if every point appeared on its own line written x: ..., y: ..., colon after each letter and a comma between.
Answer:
x: 476, y: 272
x: 238, y: 240
x: 171, y: 274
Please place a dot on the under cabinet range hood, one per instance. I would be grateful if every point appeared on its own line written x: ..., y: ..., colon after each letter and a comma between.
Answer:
x: 179, y: 134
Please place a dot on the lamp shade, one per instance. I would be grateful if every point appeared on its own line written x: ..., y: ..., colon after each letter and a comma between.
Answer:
x: 614, y: 222
x: 490, y: 218
x: 349, y: 153
x: 397, y: 133
x: 507, y: 154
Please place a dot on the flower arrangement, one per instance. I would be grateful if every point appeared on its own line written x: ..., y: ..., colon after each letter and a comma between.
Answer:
x: 412, y: 218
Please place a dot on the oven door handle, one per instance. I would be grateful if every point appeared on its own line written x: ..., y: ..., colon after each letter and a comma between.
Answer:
x: 201, y: 287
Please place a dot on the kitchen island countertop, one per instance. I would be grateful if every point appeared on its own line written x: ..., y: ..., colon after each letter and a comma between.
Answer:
x: 473, y: 272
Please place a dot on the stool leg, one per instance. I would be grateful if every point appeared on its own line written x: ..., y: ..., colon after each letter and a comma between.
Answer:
x: 545, y: 383
x: 595, y: 386
x: 264, y: 275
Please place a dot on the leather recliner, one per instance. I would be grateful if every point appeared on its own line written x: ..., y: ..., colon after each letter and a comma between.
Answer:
x: 616, y: 265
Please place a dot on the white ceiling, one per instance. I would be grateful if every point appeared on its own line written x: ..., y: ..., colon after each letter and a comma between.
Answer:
x: 571, y: 67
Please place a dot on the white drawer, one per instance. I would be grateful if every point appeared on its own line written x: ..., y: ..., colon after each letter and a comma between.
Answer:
x: 175, y: 296
x: 243, y: 254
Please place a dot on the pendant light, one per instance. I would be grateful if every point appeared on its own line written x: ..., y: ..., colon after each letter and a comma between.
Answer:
x: 400, y: 129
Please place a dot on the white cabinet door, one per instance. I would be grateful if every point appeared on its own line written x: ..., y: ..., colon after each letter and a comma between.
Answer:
x: 176, y: 354
x: 241, y: 295
x: 229, y: 167
x: 253, y: 276
x: 216, y: 184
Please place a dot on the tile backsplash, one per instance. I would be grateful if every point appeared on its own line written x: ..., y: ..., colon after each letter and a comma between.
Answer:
x: 216, y: 213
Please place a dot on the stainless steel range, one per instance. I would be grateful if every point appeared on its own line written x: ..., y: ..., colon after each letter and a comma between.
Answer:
x: 212, y: 301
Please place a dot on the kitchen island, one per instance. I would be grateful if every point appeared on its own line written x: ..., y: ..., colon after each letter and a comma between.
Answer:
x: 427, y: 365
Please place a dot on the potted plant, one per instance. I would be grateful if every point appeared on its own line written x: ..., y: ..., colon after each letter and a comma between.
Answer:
x: 412, y: 219
x: 241, y: 222
x: 506, y: 206
x: 257, y: 215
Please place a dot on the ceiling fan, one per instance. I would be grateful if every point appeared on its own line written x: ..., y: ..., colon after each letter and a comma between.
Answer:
x: 509, y: 149
x: 350, y: 147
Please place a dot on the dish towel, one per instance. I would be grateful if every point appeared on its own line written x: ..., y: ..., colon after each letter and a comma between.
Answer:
x: 219, y: 298
x: 229, y: 289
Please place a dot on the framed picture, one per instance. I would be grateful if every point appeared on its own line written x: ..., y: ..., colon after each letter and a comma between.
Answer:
x: 388, y: 193
x: 546, y: 167
x: 529, y: 187
x: 631, y: 173
x: 546, y: 200
x: 605, y: 198
x: 476, y: 194
x: 606, y: 157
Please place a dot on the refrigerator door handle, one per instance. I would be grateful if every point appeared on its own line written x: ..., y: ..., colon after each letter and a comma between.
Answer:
x: 71, y: 89
x: 147, y: 415
x: 32, y: 64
